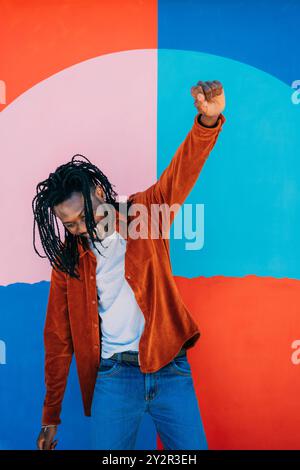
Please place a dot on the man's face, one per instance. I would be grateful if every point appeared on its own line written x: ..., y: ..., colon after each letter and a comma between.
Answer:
x: 71, y: 211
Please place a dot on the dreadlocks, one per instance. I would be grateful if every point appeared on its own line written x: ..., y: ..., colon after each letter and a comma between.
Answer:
x: 74, y: 176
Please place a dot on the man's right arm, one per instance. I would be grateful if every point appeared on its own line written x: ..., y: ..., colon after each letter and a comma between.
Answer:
x: 58, y: 348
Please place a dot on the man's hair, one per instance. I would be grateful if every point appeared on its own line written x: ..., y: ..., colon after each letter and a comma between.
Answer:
x: 74, y: 176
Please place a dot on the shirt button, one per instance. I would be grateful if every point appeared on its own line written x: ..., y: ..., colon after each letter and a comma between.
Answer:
x: 128, y: 277
x: 93, y: 301
x: 95, y: 325
x: 92, y: 277
x: 96, y: 346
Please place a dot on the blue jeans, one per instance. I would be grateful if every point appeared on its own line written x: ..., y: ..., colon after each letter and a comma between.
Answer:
x: 123, y: 394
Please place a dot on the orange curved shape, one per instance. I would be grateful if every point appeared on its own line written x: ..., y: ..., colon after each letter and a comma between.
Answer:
x: 39, y: 39
x: 246, y: 364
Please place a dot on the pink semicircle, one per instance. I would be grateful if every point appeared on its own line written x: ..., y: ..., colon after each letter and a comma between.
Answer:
x: 104, y: 108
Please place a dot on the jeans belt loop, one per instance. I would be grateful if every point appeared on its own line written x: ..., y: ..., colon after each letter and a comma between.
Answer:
x: 119, y: 357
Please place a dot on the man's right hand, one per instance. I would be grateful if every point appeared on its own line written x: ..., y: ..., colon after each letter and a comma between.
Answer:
x: 45, y: 439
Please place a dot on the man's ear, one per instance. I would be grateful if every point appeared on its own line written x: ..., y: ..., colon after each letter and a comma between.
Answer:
x: 99, y: 193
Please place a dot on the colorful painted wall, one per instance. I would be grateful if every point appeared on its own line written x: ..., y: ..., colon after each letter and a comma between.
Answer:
x: 111, y: 80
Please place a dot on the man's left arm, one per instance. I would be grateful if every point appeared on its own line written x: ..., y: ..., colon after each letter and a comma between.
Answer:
x: 178, y: 179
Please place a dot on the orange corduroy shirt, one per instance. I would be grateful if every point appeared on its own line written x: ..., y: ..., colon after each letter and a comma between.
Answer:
x: 73, y: 323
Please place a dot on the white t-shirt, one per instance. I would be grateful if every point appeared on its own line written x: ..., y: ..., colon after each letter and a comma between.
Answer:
x: 122, y: 319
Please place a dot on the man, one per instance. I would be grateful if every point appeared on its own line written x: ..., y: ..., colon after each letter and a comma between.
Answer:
x: 134, y: 360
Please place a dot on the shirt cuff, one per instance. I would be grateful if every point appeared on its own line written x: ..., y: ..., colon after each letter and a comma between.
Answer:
x: 207, y: 127
x: 204, y: 131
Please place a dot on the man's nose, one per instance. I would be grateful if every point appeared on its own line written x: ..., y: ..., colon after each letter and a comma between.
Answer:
x: 81, y: 228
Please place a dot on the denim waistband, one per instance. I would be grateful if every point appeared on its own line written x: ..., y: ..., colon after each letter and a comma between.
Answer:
x: 133, y: 356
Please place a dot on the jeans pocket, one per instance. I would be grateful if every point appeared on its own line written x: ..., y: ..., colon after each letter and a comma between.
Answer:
x: 108, y: 367
x: 181, y: 365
